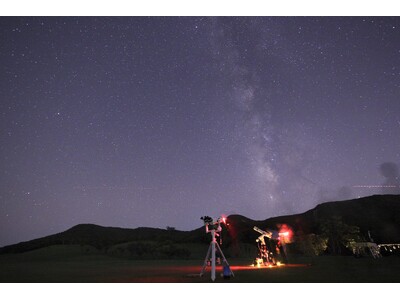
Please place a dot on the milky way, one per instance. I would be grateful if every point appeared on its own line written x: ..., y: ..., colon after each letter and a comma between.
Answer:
x: 157, y: 121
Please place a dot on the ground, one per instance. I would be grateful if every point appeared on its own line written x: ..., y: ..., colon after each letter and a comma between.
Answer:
x: 60, y: 265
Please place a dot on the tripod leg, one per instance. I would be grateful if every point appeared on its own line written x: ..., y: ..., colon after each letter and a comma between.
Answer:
x: 205, y: 261
x: 223, y: 256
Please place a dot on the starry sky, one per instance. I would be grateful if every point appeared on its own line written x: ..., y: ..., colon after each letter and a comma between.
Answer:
x: 157, y: 121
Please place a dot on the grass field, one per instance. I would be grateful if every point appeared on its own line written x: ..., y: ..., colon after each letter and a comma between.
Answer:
x: 69, y: 264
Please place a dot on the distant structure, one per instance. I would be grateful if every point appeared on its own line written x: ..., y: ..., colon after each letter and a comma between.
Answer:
x: 391, y: 172
x: 390, y: 248
x: 373, y: 249
x: 365, y: 249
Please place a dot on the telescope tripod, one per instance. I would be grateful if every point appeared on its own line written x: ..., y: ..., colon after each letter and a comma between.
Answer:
x: 212, y: 250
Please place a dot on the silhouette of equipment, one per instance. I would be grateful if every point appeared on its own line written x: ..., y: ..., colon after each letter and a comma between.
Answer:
x: 214, y: 228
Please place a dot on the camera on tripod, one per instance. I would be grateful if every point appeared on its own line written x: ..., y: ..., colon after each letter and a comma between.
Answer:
x: 207, y: 220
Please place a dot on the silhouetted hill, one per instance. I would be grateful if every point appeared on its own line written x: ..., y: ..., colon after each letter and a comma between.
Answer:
x: 379, y: 214
x: 97, y: 236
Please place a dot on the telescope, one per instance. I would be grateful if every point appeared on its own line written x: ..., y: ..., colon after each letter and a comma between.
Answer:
x: 214, y: 227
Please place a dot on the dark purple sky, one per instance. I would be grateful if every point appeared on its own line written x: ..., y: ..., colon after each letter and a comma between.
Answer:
x: 135, y: 121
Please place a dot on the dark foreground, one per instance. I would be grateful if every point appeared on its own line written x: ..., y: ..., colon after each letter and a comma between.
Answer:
x: 79, y: 268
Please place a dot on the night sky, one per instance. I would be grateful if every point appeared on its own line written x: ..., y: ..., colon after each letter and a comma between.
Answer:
x: 157, y: 121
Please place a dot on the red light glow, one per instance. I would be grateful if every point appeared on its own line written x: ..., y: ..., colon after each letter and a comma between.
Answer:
x: 285, y: 233
x: 224, y: 218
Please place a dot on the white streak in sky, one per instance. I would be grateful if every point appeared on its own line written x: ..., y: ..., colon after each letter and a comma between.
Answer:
x: 256, y: 129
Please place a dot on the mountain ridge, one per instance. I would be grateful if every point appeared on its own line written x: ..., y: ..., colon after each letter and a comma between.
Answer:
x: 377, y: 214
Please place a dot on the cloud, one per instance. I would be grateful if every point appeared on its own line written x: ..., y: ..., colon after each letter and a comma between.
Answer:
x: 390, y: 171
